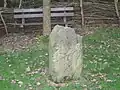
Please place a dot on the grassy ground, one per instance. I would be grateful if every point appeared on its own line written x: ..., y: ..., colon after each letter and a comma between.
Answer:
x: 25, y: 70
x: 102, y: 59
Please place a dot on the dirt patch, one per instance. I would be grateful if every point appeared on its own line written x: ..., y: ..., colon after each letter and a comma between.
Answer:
x: 85, y: 31
x: 20, y: 41
x: 17, y: 41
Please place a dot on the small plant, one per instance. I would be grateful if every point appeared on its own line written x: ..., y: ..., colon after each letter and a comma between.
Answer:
x: 42, y: 41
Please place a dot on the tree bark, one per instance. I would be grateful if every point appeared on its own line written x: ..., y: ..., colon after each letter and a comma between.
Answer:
x: 46, y: 17
x: 117, y: 11
x: 5, y: 3
x: 82, y: 14
x: 20, y: 3
x: 5, y: 26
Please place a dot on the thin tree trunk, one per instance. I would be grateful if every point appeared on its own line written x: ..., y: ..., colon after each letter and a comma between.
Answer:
x: 5, y: 3
x: 20, y: 3
x: 117, y: 11
x: 5, y: 26
x: 82, y: 13
x: 46, y: 17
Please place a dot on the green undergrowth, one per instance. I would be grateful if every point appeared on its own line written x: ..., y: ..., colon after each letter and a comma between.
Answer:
x: 101, y: 65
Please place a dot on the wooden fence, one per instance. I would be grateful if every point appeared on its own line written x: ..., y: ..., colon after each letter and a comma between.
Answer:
x: 97, y: 14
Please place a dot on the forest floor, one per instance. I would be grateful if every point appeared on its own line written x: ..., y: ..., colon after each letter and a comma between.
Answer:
x: 27, y: 68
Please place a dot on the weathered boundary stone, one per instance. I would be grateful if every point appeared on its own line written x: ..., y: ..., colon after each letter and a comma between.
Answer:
x: 65, y: 54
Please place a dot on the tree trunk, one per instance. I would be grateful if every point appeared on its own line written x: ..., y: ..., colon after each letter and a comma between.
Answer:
x: 20, y: 3
x: 4, y: 23
x: 46, y: 17
x: 117, y: 11
x: 5, y: 3
x: 82, y: 13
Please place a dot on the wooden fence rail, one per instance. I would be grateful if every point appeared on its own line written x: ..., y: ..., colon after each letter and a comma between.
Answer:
x: 62, y: 12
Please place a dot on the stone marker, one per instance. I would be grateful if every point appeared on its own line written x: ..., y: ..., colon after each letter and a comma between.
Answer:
x: 65, y: 54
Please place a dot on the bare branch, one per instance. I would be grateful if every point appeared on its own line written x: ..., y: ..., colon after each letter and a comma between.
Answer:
x: 20, y: 3
x: 4, y: 23
x: 116, y: 9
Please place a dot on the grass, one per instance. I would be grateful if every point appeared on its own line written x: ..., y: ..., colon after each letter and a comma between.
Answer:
x: 101, y: 65
x: 102, y: 58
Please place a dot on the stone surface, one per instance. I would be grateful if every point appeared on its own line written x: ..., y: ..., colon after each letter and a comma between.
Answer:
x: 65, y: 54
